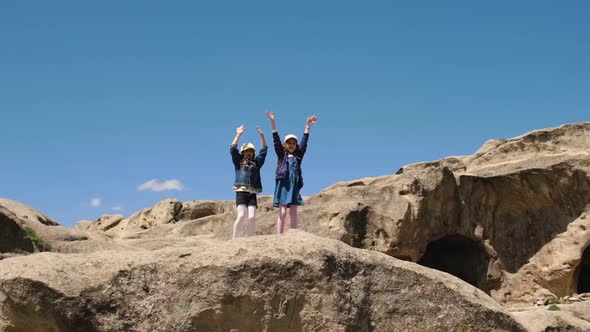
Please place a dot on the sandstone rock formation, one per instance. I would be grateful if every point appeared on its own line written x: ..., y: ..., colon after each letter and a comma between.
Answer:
x: 495, y: 219
x: 294, y: 282
x: 167, y: 211
x: 25, y: 230
x: 511, y: 220
x: 26, y: 213
x: 566, y: 317
x: 105, y: 222
x: 13, y: 238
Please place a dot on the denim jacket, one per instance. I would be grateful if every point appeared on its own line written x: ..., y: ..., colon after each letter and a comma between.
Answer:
x: 282, y: 171
x: 247, y: 171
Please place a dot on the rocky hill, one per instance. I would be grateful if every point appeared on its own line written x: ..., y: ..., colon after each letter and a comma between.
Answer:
x: 510, y: 222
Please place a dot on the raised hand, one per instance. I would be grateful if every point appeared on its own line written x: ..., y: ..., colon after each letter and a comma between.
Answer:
x: 239, y: 132
x: 271, y: 116
x: 262, y: 139
x: 312, y: 120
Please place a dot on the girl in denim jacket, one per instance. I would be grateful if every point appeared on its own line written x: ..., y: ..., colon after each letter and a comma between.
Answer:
x: 247, y: 182
x: 289, y: 179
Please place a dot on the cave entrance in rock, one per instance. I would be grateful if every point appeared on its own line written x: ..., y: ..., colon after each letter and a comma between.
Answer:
x: 584, y: 273
x: 460, y: 256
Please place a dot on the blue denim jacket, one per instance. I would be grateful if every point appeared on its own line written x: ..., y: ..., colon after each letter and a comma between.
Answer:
x: 248, y: 171
x: 282, y: 171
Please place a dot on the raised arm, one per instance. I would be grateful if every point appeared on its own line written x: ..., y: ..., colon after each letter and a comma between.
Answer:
x: 271, y: 116
x: 275, y: 136
x: 311, y: 120
x: 261, y: 157
x: 233, y: 149
x: 262, y: 139
x: 239, y: 131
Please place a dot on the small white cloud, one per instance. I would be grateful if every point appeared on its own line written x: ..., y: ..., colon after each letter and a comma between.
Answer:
x: 95, y: 202
x: 154, y: 185
x: 117, y: 208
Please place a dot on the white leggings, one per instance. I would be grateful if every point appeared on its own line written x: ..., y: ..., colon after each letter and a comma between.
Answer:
x: 250, y: 211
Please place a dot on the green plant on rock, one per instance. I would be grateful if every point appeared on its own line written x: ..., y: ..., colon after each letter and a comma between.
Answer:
x: 553, y: 307
x: 72, y: 239
x: 39, y: 244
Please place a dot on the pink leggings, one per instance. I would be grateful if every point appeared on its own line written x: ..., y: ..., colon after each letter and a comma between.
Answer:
x: 283, y: 215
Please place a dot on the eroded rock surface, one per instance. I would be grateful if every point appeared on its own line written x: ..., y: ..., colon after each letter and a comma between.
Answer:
x: 511, y: 220
x: 294, y: 282
x: 29, y: 230
x: 514, y: 212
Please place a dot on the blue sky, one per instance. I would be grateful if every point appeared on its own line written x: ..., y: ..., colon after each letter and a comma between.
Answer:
x: 98, y: 98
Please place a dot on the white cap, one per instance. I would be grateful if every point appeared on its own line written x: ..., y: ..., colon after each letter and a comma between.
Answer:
x: 247, y: 146
x: 289, y: 137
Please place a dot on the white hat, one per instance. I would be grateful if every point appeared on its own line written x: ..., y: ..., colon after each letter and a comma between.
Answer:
x: 289, y: 137
x: 247, y: 146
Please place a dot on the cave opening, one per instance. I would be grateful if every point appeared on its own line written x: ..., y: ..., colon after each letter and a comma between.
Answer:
x: 460, y: 256
x: 584, y: 273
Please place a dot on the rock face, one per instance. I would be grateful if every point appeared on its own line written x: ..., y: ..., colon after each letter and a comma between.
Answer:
x: 503, y: 213
x: 200, y: 209
x: 165, y: 212
x: 567, y: 317
x: 105, y: 222
x: 26, y: 213
x: 12, y: 237
x: 294, y: 282
x: 24, y: 230
x: 513, y: 214
x: 511, y: 220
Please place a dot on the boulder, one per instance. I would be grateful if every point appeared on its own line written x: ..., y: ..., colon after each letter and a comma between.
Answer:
x: 563, y: 317
x: 24, y: 229
x: 294, y: 282
x: 193, y: 210
x: 26, y: 213
x: 163, y: 212
x: 105, y: 222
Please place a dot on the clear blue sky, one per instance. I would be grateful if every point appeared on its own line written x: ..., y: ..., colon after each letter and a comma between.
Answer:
x: 97, y: 98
